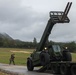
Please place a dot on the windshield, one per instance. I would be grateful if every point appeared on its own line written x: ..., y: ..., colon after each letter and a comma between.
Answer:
x: 56, y: 48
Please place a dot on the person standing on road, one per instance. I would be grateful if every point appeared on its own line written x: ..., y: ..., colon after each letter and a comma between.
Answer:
x: 12, y: 59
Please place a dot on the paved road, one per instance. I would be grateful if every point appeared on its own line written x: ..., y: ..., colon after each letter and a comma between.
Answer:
x: 20, y: 70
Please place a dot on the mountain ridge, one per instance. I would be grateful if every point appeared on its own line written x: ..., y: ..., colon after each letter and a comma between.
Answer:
x: 5, y: 36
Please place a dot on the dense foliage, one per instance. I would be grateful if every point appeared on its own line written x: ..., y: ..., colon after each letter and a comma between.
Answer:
x: 70, y: 45
x: 4, y: 42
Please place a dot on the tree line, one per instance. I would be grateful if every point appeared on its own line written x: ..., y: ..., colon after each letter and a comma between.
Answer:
x: 70, y: 45
x: 21, y: 44
x: 4, y: 42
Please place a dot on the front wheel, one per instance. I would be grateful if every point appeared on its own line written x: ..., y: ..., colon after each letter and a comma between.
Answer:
x: 30, y: 66
x: 44, y: 58
x: 67, y: 56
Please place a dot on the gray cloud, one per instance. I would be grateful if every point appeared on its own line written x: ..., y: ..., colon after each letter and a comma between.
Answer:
x: 25, y: 20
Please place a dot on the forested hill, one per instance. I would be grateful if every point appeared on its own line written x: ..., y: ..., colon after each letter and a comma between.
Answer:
x: 7, y: 41
x: 5, y: 36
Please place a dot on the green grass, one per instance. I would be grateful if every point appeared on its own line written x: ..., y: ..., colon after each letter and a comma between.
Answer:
x: 20, y: 58
x: 74, y: 57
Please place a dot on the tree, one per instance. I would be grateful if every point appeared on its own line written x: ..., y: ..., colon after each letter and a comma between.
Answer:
x: 1, y: 42
x: 35, y: 42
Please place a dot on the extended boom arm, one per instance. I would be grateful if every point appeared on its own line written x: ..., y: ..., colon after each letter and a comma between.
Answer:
x: 55, y: 17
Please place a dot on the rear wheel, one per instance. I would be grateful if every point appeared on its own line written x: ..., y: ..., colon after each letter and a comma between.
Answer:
x: 64, y: 70
x: 55, y: 68
x: 30, y: 66
x: 73, y: 70
x: 44, y: 58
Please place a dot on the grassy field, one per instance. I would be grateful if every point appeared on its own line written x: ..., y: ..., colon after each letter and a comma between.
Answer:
x: 74, y: 57
x: 20, y: 55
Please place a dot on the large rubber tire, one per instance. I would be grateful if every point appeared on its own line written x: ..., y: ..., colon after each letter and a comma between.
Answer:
x: 67, y: 56
x: 30, y: 66
x: 55, y: 68
x: 64, y: 70
x: 73, y: 70
x: 44, y: 58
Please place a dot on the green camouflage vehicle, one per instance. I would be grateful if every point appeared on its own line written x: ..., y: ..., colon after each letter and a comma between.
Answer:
x: 53, y: 57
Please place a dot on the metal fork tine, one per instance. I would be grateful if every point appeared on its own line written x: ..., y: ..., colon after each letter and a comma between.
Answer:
x: 66, y: 10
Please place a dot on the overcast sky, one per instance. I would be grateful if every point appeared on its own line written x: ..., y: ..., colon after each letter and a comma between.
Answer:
x: 26, y: 19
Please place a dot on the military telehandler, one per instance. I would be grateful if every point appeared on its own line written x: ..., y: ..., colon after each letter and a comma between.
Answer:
x: 53, y: 57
